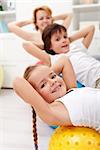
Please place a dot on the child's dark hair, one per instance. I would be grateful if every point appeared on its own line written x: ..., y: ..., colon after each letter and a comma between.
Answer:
x: 47, y: 34
x: 26, y: 75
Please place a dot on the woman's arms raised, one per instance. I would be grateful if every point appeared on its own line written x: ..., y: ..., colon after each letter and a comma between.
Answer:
x: 16, y: 27
x: 66, y: 19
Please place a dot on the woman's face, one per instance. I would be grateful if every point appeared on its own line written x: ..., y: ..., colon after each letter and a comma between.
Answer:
x: 60, y: 42
x: 49, y: 85
x: 43, y: 19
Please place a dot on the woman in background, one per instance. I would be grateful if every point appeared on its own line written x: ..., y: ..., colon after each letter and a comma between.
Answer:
x: 42, y: 17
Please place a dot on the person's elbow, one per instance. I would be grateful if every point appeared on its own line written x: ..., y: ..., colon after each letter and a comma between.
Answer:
x: 70, y: 15
x: 17, y: 82
x: 26, y: 45
x: 50, y: 120
x: 48, y: 61
x: 92, y: 28
x: 10, y: 26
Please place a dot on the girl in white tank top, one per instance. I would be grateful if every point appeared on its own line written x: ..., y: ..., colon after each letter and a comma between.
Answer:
x: 83, y: 106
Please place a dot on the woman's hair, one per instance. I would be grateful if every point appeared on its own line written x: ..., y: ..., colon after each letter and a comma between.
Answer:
x: 44, y: 8
x: 26, y: 75
x: 47, y: 34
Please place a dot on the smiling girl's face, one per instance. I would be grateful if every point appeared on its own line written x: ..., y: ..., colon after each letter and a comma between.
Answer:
x: 49, y: 85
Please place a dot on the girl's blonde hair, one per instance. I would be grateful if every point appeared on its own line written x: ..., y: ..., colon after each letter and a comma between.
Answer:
x: 44, y: 8
x: 28, y: 71
x: 26, y: 75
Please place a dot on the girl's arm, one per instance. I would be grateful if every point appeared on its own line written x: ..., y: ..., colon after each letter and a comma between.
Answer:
x: 64, y: 66
x: 35, y: 51
x: 53, y: 114
x: 66, y: 19
x: 16, y: 27
x: 87, y: 35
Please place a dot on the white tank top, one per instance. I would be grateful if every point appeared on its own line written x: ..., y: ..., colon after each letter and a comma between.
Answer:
x: 83, y: 105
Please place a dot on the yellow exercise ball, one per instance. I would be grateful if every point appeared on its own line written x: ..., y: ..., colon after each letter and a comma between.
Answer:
x: 1, y: 76
x: 74, y: 138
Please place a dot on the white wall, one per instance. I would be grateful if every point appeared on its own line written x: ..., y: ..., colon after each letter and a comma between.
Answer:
x: 24, y: 8
x: 13, y: 58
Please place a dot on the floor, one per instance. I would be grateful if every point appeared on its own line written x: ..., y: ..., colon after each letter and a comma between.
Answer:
x: 16, y: 124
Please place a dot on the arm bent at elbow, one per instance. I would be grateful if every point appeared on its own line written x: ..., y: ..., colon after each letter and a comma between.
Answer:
x: 16, y: 28
x: 85, y: 33
x: 66, y: 19
x: 64, y: 66
x: 52, y: 114
x: 25, y: 91
x: 37, y: 52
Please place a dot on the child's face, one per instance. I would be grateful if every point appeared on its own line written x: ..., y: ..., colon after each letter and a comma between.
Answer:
x: 43, y: 19
x: 47, y: 83
x: 60, y: 42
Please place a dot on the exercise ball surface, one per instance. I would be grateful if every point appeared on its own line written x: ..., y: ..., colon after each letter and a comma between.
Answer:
x: 74, y: 138
x: 1, y: 76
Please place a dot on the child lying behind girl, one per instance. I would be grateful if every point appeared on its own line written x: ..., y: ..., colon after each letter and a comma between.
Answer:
x: 56, y: 41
